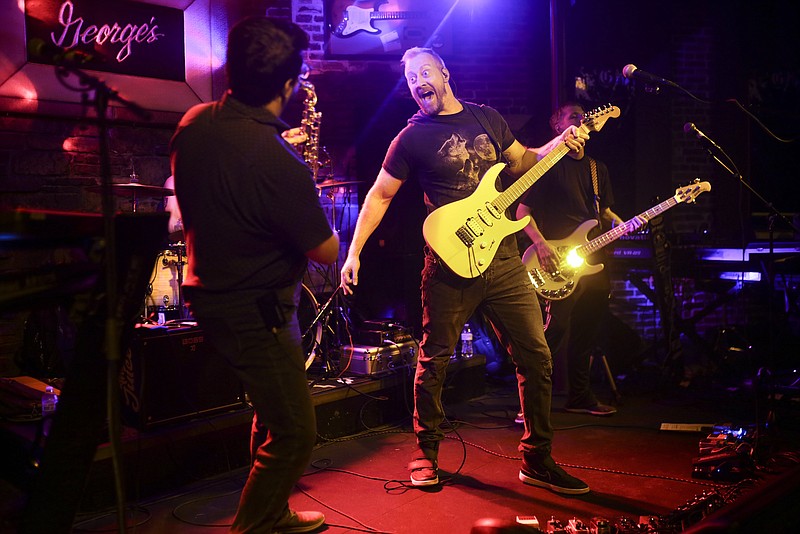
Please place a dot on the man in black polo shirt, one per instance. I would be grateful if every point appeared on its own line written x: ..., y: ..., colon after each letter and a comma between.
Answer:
x: 252, y: 219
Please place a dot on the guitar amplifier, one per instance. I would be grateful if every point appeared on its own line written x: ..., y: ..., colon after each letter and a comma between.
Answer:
x: 367, y: 360
x: 171, y: 375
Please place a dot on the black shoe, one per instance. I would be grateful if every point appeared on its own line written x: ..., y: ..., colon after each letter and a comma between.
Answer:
x: 544, y: 473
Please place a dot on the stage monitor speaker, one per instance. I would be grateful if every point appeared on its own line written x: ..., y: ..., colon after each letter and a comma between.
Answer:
x: 173, y: 375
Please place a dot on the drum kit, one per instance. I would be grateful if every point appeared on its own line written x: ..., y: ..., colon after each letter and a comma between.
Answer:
x: 164, y: 303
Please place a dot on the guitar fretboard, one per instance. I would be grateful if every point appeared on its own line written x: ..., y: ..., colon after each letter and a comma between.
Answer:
x: 612, y: 235
x: 507, y: 197
x: 395, y: 15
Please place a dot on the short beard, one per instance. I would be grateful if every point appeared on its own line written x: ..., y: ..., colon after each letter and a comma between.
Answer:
x: 439, y: 106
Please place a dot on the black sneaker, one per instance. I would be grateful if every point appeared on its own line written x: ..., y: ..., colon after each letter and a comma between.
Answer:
x: 546, y: 474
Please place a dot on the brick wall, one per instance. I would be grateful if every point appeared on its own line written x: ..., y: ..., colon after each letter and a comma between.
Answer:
x: 499, y: 56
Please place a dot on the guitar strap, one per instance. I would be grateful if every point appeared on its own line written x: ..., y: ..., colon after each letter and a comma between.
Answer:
x: 478, y: 113
x: 595, y: 188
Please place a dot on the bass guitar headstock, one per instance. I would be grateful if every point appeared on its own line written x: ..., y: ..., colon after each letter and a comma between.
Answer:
x: 594, y: 120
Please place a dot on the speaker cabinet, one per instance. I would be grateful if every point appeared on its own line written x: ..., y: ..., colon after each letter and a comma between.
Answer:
x: 172, y: 375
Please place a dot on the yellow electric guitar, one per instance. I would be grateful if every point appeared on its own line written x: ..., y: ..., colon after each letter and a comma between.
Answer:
x: 574, y: 250
x: 465, y: 234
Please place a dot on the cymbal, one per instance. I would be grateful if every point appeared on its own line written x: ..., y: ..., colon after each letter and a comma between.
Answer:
x: 134, y: 189
x: 337, y: 183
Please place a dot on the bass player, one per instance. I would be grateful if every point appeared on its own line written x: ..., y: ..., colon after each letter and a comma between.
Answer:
x: 576, y: 189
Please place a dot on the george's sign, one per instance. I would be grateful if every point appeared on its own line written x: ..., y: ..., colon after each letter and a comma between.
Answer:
x: 122, y: 37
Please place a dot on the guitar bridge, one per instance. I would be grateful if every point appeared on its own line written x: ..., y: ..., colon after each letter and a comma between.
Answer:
x: 465, y: 236
x: 469, y: 232
x: 536, y: 278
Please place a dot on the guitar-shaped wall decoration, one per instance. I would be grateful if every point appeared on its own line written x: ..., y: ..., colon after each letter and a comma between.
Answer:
x: 574, y: 250
x: 356, y: 19
x: 465, y: 234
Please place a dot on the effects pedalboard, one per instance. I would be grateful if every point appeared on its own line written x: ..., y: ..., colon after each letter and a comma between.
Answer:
x: 684, y: 516
x: 597, y: 525
x: 726, y: 454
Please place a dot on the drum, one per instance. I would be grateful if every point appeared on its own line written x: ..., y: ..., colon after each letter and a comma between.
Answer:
x: 307, y: 311
x: 164, y: 300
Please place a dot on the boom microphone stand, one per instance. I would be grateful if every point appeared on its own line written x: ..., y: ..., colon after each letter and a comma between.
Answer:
x: 53, y: 502
x: 713, y: 150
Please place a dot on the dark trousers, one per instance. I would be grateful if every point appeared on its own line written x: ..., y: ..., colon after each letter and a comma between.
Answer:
x: 572, y: 334
x: 505, y: 295
x: 271, y: 366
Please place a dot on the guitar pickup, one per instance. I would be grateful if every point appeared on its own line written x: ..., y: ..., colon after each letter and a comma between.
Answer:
x: 469, y: 232
x: 474, y: 226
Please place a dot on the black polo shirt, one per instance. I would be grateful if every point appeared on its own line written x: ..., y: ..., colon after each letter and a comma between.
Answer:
x: 250, y: 207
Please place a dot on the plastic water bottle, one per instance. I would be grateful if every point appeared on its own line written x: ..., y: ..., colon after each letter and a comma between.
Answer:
x: 466, y: 342
x: 49, y: 401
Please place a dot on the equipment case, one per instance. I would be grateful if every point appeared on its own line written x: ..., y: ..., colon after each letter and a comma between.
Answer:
x: 367, y: 360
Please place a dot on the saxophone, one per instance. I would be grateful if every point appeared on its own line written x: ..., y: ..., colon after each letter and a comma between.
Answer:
x: 310, y: 123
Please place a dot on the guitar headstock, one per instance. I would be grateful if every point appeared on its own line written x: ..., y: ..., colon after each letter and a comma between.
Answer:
x: 690, y: 192
x: 594, y: 120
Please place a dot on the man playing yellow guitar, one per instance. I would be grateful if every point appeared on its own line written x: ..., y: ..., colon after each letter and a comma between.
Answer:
x: 446, y: 148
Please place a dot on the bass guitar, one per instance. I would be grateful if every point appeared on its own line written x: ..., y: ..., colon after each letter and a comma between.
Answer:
x: 465, y: 234
x: 573, y: 250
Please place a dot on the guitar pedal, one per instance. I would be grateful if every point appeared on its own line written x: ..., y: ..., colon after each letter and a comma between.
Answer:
x: 576, y: 526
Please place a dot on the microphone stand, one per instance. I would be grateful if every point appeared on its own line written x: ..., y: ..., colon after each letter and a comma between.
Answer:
x: 102, y: 95
x: 774, y: 214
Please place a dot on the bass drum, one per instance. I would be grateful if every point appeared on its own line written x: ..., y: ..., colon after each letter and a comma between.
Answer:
x: 307, y: 311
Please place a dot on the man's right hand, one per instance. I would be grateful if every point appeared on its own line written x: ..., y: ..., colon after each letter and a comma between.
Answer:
x: 350, y: 274
x: 548, y: 256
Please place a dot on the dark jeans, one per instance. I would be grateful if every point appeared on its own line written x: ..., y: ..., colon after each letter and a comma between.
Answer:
x: 271, y: 366
x: 572, y: 335
x: 505, y: 295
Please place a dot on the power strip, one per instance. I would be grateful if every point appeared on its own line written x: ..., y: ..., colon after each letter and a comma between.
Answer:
x: 687, y: 427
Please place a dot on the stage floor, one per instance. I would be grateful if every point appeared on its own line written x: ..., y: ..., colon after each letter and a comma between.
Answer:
x: 359, y: 480
x: 634, y: 468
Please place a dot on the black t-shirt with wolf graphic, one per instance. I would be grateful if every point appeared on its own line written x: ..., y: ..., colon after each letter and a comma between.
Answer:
x: 448, y: 155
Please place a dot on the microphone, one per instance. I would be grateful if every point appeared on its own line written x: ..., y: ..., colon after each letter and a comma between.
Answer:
x: 47, y: 51
x: 632, y: 71
x: 689, y: 127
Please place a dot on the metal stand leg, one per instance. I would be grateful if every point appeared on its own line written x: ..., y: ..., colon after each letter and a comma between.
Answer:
x: 609, y: 375
x: 332, y: 316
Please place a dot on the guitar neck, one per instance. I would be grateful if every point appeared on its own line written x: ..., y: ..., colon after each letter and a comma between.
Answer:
x: 395, y: 15
x: 596, y: 119
x: 507, y: 197
x: 615, y: 233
